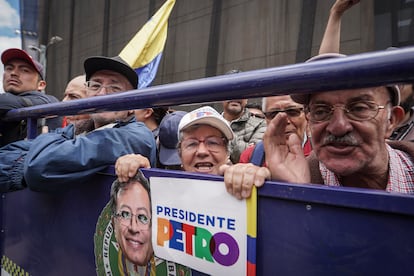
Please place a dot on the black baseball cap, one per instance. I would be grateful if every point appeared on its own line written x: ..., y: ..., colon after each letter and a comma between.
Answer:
x: 117, y: 64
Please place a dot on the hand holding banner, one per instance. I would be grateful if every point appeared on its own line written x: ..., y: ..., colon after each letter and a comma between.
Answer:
x: 198, y: 224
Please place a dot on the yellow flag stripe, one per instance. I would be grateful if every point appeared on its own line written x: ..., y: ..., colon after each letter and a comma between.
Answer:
x: 150, y: 40
x: 252, y: 214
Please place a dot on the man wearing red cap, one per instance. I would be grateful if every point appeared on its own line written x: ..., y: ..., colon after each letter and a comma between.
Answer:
x: 23, y: 82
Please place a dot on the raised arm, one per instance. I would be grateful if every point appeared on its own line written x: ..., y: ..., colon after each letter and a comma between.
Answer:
x: 332, y: 36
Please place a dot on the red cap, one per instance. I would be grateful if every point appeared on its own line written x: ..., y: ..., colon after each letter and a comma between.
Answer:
x: 14, y: 53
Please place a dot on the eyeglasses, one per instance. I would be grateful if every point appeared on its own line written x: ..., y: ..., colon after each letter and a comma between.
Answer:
x: 291, y: 112
x: 94, y: 87
x: 125, y: 218
x: 257, y: 115
x: 357, y: 111
x: 212, y: 143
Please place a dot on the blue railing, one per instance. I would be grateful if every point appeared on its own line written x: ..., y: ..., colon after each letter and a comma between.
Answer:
x: 362, y: 70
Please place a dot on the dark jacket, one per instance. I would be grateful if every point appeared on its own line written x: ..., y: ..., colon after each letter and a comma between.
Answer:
x: 59, y: 160
x: 17, y: 130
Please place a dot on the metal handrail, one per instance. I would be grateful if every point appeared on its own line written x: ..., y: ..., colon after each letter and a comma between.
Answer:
x: 356, y: 71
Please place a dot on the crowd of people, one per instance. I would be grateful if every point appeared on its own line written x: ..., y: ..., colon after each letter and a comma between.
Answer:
x: 56, y: 160
x: 352, y: 137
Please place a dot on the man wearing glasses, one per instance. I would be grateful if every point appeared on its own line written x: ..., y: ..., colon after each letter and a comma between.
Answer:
x: 296, y: 124
x: 131, y: 218
x: 58, y: 160
x: 130, y: 206
x: 349, y: 130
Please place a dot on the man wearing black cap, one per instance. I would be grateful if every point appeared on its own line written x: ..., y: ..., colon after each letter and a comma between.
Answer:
x: 23, y: 82
x: 58, y: 160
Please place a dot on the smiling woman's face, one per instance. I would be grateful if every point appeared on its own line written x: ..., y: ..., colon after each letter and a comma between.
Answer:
x: 206, y: 156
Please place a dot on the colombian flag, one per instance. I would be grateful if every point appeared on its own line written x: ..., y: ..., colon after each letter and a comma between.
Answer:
x: 144, y: 51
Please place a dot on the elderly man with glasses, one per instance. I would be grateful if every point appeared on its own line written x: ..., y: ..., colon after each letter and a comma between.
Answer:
x: 296, y: 124
x: 350, y: 131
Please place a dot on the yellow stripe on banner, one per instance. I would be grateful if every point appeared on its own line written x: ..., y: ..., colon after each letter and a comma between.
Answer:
x: 10, y: 267
x: 150, y: 40
x: 252, y: 214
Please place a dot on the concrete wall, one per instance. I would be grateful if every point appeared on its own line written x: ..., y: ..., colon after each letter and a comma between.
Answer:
x: 204, y: 38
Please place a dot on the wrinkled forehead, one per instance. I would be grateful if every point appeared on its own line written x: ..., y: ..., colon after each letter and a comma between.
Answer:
x: 376, y: 94
x: 281, y: 102
x: 110, y: 77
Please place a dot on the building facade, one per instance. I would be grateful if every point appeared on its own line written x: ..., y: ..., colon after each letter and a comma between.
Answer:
x: 210, y: 37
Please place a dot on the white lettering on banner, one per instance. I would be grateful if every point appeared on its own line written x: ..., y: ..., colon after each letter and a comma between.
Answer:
x: 201, y: 219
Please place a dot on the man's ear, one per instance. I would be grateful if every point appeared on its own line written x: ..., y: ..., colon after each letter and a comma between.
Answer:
x: 395, y: 118
x: 41, y: 85
x: 148, y: 112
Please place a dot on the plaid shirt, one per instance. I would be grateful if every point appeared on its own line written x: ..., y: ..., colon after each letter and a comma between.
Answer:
x: 400, y: 177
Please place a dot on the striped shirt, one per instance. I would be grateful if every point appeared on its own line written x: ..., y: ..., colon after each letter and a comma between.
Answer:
x: 400, y: 176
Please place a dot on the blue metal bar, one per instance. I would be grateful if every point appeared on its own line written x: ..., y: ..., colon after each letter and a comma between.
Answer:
x: 357, y: 71
x: 369, y: 199
x: 31, y: 128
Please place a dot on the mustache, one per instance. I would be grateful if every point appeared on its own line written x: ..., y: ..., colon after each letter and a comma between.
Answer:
x: 347, y: 139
